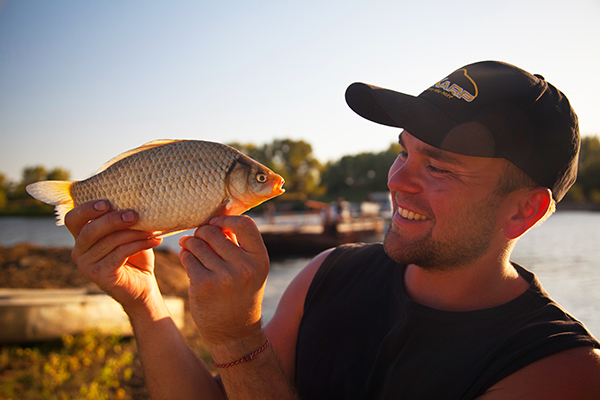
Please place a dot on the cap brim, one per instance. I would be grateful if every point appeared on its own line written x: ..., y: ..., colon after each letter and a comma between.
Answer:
x: 419, y: 117
x: 397, y: 109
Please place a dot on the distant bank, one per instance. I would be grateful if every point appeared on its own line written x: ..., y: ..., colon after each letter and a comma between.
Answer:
x: 575, y: 206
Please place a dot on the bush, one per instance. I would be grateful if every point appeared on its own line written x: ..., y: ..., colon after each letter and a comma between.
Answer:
x: 89, y: 366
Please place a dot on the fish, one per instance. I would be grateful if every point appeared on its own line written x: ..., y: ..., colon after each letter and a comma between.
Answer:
x: 172, y: 185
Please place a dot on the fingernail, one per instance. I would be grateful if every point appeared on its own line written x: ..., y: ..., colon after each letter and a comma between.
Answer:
x: 100, y: 205
x: 213, y: 221
x: 128, y: 216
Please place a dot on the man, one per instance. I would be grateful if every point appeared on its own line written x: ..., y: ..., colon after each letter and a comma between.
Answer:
x: 437, y: 311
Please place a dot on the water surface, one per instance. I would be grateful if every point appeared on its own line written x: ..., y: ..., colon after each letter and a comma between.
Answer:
x: 564, y: 252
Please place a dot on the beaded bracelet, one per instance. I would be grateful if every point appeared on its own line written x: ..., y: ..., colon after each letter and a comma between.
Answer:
x: 247, y: 357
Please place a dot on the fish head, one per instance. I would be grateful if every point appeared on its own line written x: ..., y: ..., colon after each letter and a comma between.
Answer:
x: 251, y: 183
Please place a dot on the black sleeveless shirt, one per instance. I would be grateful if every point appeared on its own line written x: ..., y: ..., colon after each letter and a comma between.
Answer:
x: 362, y: 338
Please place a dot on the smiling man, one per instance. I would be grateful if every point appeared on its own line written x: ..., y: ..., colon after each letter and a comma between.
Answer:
x: 487, y: 151
x: 437, y: 311
x: 463, y: 219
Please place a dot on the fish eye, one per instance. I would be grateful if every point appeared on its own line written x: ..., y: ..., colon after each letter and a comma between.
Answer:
x: 261, y: 177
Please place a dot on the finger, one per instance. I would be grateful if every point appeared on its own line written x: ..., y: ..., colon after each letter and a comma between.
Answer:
x: 218, y: 240
x: 102, y: 226
x: 103, y: 249
x: 203, y: 254
x: 233, y: 237
x: 116, y: 259
x: 193, y: 267
x: 202, y: 279
x: 234, y: 263
x: 78, y: 217
x: 244, y: 229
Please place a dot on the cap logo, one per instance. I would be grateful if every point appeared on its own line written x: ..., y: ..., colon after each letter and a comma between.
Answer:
x: 452, y: 89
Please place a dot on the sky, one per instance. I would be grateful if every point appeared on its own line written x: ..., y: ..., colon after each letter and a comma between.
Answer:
x: 83, y: 81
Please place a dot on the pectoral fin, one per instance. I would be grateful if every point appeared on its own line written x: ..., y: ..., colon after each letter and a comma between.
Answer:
x: 164, y: 234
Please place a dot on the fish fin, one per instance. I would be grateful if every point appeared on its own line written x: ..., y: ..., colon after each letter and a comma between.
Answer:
x: 160, y: 234
x: 146, y: 146
x: 56, y: 193
x: 220, y: 210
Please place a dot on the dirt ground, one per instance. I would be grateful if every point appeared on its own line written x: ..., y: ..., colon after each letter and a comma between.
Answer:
x: 31, y: 266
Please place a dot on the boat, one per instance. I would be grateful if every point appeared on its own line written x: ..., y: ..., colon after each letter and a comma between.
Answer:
x: 323, y: 226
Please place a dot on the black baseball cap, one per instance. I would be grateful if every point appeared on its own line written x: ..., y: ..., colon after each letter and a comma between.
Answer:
x: 486, y: 109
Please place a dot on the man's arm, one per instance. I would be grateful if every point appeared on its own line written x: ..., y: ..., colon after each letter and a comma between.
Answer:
x: 121, y: 262
x: 228, y: 264
x: 282, y: 330
x: 570, y: 374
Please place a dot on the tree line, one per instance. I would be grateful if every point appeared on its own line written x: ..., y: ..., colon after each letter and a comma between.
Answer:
x: 14, y: 200
x: 352, y: 177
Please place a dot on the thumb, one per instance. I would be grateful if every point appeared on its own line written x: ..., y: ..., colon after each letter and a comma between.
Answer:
x: 242, y: 230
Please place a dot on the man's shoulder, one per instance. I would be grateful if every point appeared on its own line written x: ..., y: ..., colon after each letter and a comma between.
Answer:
x: 572, y: 374
x: 359, y: 247
x: 359, y: 251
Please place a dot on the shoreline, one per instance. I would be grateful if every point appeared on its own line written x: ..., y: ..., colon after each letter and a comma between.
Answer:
x: 573, y: 206
x: 562, y: 206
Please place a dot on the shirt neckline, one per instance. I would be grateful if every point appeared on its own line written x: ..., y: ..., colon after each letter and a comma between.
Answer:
x: 406, y: 303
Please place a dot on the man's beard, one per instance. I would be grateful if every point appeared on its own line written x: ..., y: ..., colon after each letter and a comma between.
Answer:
x: 467, y: 243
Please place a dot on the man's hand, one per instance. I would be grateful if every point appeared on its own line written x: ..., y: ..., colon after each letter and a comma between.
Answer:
x: 227, y: 263
x: 119, y: 260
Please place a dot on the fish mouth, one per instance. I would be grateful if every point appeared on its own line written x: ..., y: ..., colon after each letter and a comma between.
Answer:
x: 278, y: 189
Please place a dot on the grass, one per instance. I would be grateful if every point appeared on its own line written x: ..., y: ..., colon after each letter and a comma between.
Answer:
x: 90, y: 366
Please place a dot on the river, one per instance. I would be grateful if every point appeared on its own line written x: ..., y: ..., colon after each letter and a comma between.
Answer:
x: 564, y: 252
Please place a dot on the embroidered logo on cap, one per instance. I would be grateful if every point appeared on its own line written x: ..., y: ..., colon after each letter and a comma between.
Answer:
x: 449, y: 88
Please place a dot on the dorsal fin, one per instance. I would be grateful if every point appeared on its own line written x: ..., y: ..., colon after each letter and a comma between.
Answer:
x: 146, y: 146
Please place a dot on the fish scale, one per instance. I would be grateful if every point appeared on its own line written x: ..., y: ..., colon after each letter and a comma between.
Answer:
x: 172, y: 185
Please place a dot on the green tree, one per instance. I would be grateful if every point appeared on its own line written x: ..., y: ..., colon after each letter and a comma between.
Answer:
x: 3, y: 191
x: 58, y: 174
x: 587, y: 186
x: 33, y: 174
x: 590, y: 151
x: 355, y: 176
x: 575, y: 194
x: 39, y: 173
x: 14, y: 200
x: 292, y: 159
x: 28, y: 175
x: 297, y: 165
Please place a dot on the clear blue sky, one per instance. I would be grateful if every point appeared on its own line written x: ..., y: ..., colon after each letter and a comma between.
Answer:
x: 82, y: 81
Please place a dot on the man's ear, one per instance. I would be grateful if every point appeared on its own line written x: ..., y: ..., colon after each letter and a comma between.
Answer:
x: 528, y: 208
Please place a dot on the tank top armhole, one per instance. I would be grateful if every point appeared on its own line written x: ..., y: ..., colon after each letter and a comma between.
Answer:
x: 337, y: 259
x: 322, y: 273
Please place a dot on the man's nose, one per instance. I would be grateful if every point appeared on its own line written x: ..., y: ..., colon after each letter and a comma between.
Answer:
x: 404, y: 177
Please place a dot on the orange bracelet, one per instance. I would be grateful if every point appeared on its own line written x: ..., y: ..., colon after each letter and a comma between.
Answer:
x: 247, y: 357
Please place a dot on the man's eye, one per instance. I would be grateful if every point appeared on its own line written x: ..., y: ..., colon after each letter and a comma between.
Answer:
x: 438, y: 171
x: 403, y: 155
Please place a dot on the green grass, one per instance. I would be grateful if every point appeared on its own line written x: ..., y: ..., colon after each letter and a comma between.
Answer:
x: 89, y: 366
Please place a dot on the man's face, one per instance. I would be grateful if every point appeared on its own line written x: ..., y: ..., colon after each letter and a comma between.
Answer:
x: 445, y: 208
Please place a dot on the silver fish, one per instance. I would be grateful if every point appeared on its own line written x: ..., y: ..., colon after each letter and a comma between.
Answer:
x: 173, y: 185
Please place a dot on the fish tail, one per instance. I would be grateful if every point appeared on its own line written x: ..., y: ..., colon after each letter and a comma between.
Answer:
x: 56, y: 193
